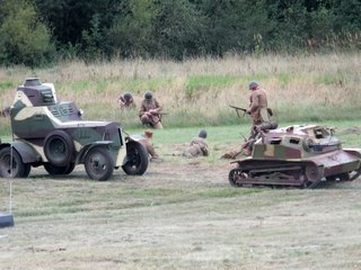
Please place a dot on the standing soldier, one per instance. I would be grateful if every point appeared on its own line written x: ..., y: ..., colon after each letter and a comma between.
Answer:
x: 198, y: 146
x: 149, y: 113
x: 258, y: 105
x: 260, y: 115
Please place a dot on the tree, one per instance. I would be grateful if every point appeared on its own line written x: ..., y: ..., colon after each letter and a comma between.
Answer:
x: 24, y: 39
x: 178, y: 29
x: 131, y: 32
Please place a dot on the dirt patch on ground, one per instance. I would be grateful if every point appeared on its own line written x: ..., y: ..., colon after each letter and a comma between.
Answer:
x: 182, y: 214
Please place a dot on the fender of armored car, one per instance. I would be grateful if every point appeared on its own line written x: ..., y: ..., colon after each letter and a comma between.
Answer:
x: 27, y: 153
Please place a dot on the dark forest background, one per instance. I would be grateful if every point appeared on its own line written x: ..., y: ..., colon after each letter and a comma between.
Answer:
x: 38, y: 32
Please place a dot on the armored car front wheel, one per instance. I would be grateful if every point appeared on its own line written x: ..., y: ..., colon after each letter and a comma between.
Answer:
x: 136, y: 161
x: 99, y: 164
x: 11, y: 164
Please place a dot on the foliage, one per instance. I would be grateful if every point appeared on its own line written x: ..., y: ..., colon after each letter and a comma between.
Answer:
x: 104, y: 29
x: 24, y: 39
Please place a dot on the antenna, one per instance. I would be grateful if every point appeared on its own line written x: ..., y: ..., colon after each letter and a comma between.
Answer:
x: 7, y: 219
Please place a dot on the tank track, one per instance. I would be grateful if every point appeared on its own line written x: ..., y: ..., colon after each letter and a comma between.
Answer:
x: 293, y: 175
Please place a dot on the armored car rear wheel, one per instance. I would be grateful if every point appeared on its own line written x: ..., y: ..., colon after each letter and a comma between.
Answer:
x: 99, y: 164
x: 136, y: 161
x: 11, y: 164
x: 59, y: 148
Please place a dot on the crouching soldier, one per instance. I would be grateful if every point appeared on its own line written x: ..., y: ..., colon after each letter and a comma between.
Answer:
x: 149, y: 113
x: 126, y: 101
x: 198, y: 146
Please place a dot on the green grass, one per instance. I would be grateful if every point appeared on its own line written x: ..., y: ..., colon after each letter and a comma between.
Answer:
x: 196, y: 93
x: 6, y: 85
x: 198, y: 83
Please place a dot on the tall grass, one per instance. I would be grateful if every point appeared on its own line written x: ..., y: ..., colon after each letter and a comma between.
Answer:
x: 197, y: 91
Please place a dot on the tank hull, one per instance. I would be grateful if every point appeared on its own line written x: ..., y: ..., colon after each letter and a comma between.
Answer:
x: 338, y: 165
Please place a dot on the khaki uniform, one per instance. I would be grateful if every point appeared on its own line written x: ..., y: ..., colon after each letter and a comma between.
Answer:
x: 198, y: 147
x: 151, y: 118
x: 258, y: 106
x: 148, y: 145
x: 124, y: 104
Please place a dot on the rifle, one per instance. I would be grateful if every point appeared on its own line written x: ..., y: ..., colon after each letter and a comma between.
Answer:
x: 238, y: 109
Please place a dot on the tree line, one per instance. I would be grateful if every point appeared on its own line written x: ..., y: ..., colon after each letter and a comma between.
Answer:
x: 35, y: 32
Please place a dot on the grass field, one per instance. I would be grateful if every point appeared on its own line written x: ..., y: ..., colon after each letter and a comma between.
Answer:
x: 182, y: 214
x: 197, y: 92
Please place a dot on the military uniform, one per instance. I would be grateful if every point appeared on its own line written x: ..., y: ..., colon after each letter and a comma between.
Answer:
x: 148, y: 145
x: 198, y: 147
x: 126, y: 103
x: 258, y: 106
x: 149, y: 113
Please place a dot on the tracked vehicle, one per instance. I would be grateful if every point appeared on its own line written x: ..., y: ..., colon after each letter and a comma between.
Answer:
x: 52, y: 134
x: 296, y: 156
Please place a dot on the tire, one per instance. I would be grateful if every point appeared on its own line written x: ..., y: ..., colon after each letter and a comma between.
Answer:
x: 59, y: 170
x: 99, y: 164
x: 18, y: 169
x: 59, y: 148
x: 136, y: 161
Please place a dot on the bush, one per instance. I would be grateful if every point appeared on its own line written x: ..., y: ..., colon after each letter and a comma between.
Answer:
x: 24, y: 39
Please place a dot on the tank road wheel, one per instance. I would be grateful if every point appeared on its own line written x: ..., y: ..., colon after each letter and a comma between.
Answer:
x: 11, y: 164
x: 136, y: 161
x: 59, y: 170
x: 344, y: 176
x: 99, y: 164
x: 313, y: 176
x: 236, y: 176
x: 59, y: 148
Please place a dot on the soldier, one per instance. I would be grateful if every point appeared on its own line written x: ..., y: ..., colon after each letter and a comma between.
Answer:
x: 148, y: 145
x: 126, y: 101
x: 198, y: 146
x: 258, y: 105
x: 149, y: 113
x: 260, y: 114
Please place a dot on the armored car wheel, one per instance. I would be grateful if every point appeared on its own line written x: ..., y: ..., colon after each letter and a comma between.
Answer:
x: 59, y: 148
x: 99, y: 164
x: 11, y: 164
x: 136, y: 161
x: 59, y: 170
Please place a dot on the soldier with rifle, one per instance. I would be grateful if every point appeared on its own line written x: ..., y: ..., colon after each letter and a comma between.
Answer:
x: 150, y: 111
x: 261, y: 117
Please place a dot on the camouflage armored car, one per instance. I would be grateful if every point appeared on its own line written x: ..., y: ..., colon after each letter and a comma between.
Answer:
x: 298, y: 156
x: 52, y: 134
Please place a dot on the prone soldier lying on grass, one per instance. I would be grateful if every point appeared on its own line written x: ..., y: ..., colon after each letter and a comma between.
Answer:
x: 198, y: 146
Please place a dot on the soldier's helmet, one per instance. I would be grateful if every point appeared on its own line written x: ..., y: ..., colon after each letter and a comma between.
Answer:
x: 148, y: 95
x: 128, y: 97
x: 253, y: 85
x: 202, y: 134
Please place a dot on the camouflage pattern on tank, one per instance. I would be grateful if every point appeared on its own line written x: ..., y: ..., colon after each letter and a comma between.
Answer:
x: 51, y: 133
x: 297, y: 156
